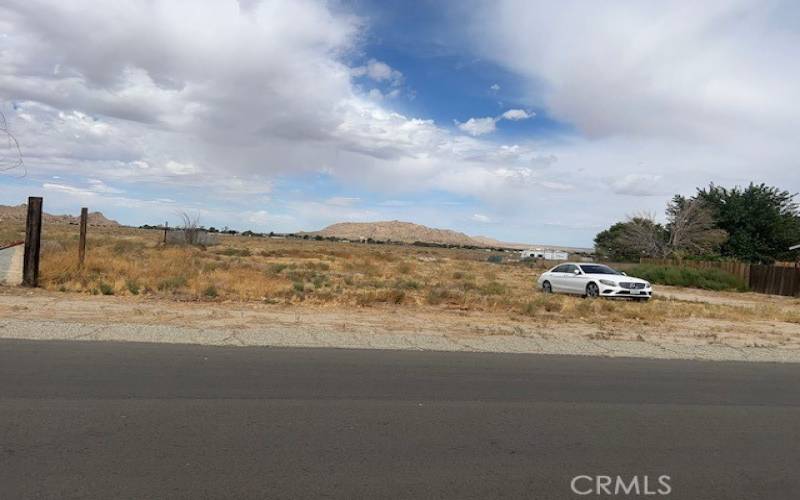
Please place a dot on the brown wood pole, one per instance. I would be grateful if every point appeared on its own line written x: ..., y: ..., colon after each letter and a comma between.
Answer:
x: 82, y: 241
x: 33, y: 240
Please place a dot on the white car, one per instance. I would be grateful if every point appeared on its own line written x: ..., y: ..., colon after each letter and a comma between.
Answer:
x: 594, y: 280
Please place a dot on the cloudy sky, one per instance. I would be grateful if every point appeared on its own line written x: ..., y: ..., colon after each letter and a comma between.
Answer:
x: 522, y: 120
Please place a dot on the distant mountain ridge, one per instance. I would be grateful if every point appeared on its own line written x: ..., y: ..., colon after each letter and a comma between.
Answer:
x: 19, y: 213
x: 409, y: 232
x: 395, y: 230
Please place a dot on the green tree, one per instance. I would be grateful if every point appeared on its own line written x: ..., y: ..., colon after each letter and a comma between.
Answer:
x: 762, y: 221
x: 605, y: 244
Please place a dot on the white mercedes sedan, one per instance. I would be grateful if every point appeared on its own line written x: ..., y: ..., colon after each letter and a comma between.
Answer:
x: 594, y: 280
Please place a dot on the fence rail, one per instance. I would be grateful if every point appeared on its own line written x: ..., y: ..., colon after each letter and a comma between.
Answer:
x: 780, y: 279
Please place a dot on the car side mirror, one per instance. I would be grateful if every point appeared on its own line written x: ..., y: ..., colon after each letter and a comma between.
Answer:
x: 576, y: 272
x: 624, y: 273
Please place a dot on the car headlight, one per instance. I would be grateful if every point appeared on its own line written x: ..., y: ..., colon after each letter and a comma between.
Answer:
x: 647, y: 284
x: 608, y: 282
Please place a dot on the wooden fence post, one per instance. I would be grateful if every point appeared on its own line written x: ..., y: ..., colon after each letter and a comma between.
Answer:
x: 82, y: 241
x: 33, y: 240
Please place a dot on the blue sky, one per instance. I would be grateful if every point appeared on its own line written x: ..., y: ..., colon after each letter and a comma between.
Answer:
x: 522, y: 120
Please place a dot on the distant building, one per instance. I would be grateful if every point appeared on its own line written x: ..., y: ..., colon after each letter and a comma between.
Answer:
x: 544, y: 253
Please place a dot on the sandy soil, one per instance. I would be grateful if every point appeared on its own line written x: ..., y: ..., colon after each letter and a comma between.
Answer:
x: 748, y: 299
x: 24, y: 305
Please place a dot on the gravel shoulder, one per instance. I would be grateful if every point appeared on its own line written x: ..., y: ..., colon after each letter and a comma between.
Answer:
x: 738, y: 299
x: 36, y: 314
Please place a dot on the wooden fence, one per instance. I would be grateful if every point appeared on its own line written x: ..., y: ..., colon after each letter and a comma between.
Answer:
x: 776, y: 280
x: 779, y: 279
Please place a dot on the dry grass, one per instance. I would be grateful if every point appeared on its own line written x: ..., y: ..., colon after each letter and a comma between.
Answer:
x: 124, y: 261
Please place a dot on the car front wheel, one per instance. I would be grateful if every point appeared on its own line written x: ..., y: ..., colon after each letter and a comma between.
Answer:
x: 592, y: 290
x: 546, y: 287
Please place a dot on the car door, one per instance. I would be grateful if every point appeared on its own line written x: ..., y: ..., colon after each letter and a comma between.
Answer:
x: 574, y: 283
x: 557, y: 278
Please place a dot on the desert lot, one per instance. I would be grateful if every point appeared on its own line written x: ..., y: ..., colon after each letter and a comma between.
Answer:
x: 246, y: 285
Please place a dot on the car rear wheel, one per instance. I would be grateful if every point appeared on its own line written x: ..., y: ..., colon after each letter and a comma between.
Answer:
x: 592, y: 290
x: 547, y: 287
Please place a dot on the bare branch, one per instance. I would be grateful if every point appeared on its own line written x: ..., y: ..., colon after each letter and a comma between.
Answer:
x: 644, y: 236
x: 10, y: 152
x: 691, y: 228
x: 191, y: 224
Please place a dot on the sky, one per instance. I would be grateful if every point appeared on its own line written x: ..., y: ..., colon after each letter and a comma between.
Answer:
x: 527, y: 121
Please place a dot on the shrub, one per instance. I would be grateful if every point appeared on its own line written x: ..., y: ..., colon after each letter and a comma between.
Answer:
x: 235, y: 252
x: 132, y: 286
x: 210, y: 292
x: 407, y: 285
x: 493, y: 288
x: 707, y: 279
x: 106, y: 289
x: 172, y: 283
x: 495, y: 259
x: 439, y: 294
x: 318, y: 266
x: 363, y: 266
x: 277, y: 268
x: 461, y: 275
x: 383, y: 296
x: 529, y: 309
x: 319, y: 280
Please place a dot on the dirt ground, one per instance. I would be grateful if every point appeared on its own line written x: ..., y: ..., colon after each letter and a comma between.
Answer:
x: 737, y: 299
x: 40, y: 305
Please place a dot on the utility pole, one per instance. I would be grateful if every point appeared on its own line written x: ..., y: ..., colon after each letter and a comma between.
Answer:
x: 33, y: 240
x: 166, y: 228
x: 82, y: 241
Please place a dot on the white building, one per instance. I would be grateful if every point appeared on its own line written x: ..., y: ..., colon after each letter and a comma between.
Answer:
x: 544, y: 253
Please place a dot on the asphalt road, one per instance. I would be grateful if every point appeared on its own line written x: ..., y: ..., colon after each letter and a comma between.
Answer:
x: 111, y: 420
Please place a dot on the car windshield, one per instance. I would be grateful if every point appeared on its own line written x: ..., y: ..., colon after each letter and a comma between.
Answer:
x: 598, y: 269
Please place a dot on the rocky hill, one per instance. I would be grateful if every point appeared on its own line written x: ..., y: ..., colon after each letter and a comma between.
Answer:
x: 17, y: 214
x: 491, y: 242
x: 407, y: 232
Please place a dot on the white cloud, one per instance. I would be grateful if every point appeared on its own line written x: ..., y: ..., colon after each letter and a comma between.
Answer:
x: 99, y: 186
x: 517, y: 114
x: 478, y: 126
x: 226, y: 114
x: 495, y: 87
x: 700, y: 77
x: 481, y: 218
x: 378, y: 71
x: 64, y: 188
x: 487, y: 125
x: 177, y: 168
